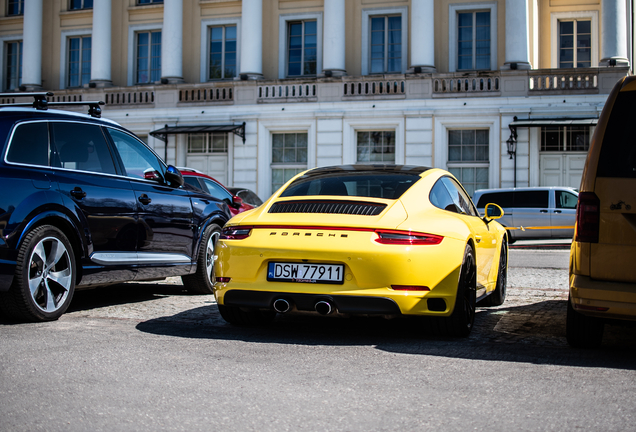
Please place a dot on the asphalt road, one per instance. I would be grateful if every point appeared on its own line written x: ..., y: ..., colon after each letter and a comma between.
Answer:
x: 151, y: 357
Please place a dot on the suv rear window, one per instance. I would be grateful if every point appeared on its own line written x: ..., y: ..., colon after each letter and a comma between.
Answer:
x: 30, y: 145
x: 369, y: 184
x: 618, y: 151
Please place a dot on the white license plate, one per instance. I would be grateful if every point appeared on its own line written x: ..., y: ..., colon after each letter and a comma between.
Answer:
x: 305, y: 273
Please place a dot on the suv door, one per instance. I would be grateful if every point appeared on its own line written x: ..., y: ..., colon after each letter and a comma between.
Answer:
x: 105, y: 203
x: 166, y: 228
x: 531, y: 209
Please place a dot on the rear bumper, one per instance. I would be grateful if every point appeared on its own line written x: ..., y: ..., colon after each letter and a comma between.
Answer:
x: 618, y: 297
x: 356, y: 305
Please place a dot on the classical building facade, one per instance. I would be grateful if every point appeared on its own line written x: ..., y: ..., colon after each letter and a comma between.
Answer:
x: 499, y: 92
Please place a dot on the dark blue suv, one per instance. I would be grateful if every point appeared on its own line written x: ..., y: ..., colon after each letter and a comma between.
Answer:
x: 84, y: 203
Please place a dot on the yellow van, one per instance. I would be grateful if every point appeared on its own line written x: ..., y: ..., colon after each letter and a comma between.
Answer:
x: 603, y: 254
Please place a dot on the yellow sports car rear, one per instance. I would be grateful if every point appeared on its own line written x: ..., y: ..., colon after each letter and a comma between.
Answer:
x: 370, y: 240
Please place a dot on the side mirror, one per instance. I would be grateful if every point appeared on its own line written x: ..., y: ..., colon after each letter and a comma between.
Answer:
x: 174, y: 177
x: 237, y: 202
x: 493, y: 211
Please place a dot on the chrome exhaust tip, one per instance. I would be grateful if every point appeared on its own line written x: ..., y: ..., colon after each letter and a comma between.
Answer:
x: 323, y: 307
x: 281, y: 305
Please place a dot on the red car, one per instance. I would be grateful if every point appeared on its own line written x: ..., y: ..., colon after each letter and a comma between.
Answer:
x: 210, y: 185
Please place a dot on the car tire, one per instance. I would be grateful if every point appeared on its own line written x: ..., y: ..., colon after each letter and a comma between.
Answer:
x: 245, y: 317
x: 460, y: 322
x: 44, y: 280
x: 583, y: 331
x: 498, y: 296
x: 202, y: 281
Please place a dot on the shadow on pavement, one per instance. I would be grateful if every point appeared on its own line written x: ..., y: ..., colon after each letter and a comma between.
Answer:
x: 528, y: 334
x: 126, y: 293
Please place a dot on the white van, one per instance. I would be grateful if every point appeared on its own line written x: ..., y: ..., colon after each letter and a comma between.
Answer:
x: 534, y: 212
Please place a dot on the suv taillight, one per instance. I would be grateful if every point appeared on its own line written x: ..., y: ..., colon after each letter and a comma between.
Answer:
x: 588, y: 212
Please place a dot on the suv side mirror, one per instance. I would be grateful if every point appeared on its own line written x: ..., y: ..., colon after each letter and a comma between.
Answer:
x: 493, y: 211
x: 174, y: 177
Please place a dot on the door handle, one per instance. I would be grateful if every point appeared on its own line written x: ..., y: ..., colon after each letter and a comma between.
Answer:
x: 144, y: 199
x: 78, y: 193
x: 543, y: 211
x: 557, y: 211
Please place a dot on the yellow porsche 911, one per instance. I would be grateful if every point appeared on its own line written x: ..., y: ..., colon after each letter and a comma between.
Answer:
x: 388, y: 240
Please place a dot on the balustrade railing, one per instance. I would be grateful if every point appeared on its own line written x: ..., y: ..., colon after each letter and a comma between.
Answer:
x: 464, y: 84
x: 563, y: 81
x: 373, y: 88
x: 287, y: 91
x: 134, y: 97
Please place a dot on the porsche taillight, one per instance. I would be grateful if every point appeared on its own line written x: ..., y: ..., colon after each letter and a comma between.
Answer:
x: 588, y: 215
x: 396, y: 237
x: 236, y: 233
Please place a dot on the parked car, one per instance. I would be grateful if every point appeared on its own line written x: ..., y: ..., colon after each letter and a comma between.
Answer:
x: 247, y: 196
x: 363, y: 239
x: 85, y: 203
x: 212, y: 186
x: 534, y: 212
x: 602, y: 271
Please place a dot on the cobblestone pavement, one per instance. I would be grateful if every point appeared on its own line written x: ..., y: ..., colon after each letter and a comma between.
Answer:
x: 533, y: 313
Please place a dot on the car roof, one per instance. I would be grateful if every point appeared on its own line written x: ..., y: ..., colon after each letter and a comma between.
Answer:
x: 520, y: 189
x: 351, y: 169
x: 55, y: 113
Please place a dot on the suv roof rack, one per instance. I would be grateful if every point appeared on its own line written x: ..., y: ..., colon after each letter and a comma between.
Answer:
x: 40, y: 102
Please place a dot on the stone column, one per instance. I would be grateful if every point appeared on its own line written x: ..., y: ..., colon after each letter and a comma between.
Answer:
x: 614, y: 33
x: 101, y: 44
x: 334, y: 38
x: 422, y: 36
x: 251, y: 39
x: 172, y: 42
x: 517, y: 36
x: 32, y: 46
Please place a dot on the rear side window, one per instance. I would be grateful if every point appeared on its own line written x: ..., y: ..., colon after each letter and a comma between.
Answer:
x: 502, y: 199
x: 81, y: 147
x: 217, y: 191
x: 532, y: 199
x: 618, y: 151
x: 30, y: 145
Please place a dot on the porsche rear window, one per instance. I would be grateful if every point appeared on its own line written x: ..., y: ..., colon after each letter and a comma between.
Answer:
x: 618, y: 152
x: 368, y: 184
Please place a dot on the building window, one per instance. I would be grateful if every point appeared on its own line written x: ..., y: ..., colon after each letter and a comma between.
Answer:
x: 207, y: 143
x: 222, y: 52
x: 13, y: 65
x: 142, y: 2
x: 148, y: 60
x: 468, y: 157
x: 15, y: 7
x: 80, y: 4
x: 386, y: 44
x: 569, y: 138
x: 473, y: 40
x: 302, y: 48
x: 575, y: 44
x: 376, y: 146
x: 79, y: 61
x: 289, y: 157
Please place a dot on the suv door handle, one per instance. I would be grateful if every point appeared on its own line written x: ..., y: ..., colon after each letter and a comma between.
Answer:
x: 557, y: 211
x: 78, y: 193
x: 144, y: 199
x: 543, y: 211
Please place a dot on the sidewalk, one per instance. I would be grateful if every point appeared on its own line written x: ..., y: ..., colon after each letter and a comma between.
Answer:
x: 542, y: 244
